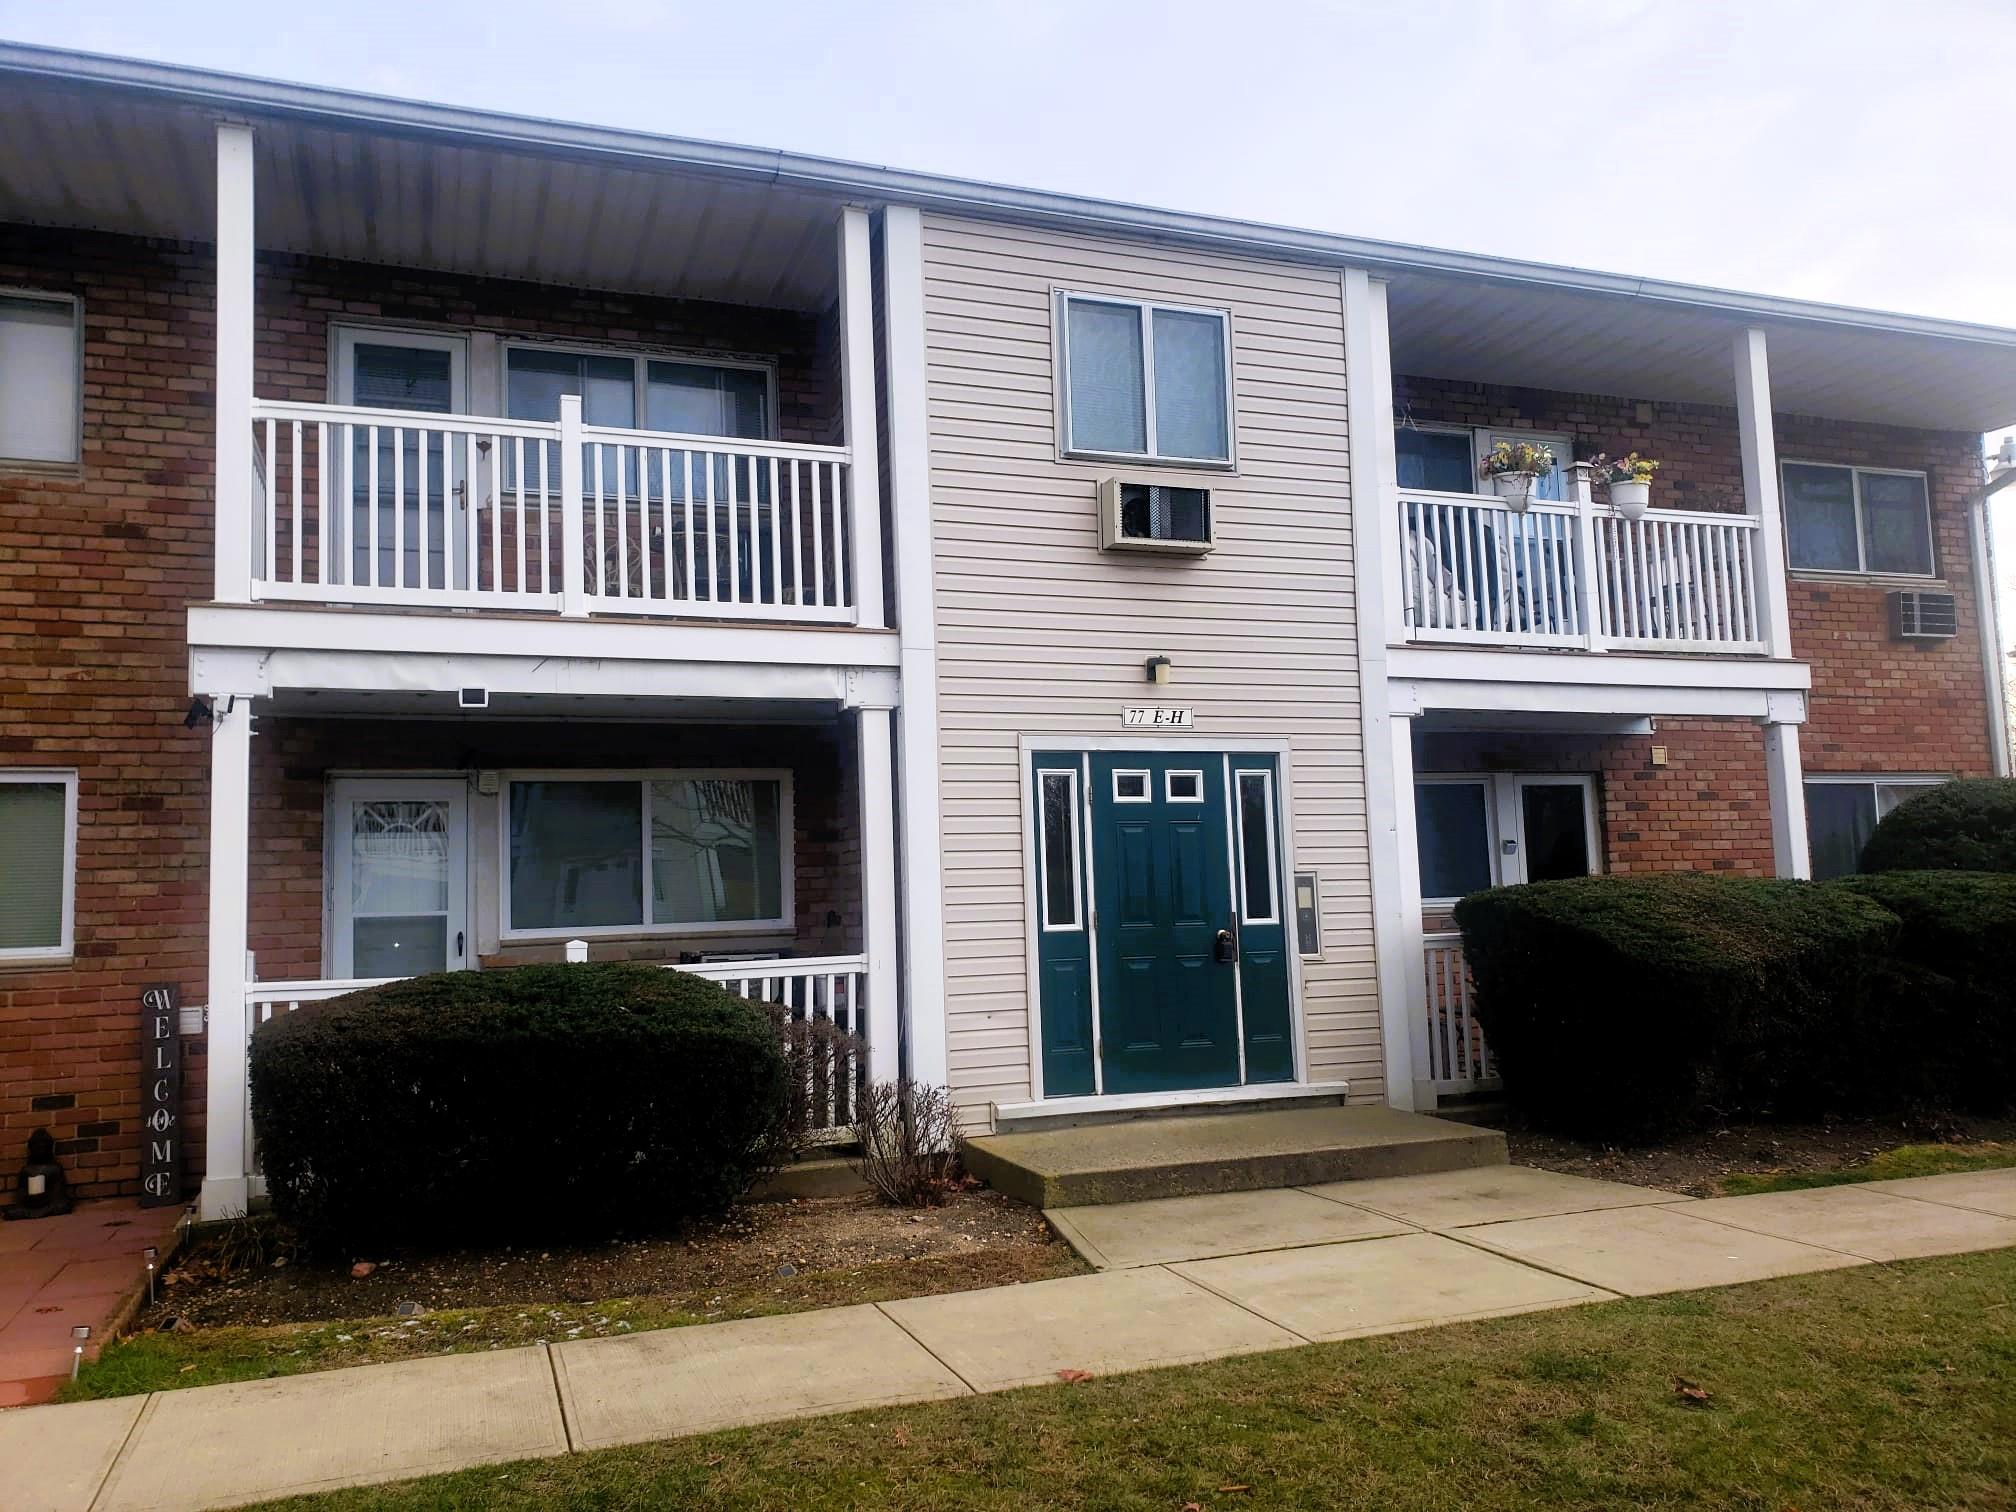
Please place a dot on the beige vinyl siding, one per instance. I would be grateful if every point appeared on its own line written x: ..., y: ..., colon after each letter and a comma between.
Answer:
x: 1040, y: 633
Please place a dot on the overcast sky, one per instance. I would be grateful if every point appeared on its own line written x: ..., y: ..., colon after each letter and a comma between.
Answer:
x: 1851, y: 150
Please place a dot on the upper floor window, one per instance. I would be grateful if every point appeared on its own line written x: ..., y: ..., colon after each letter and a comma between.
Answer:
x: 38, y: 863
x: 640, y: 393
x: 1143, y: 380
x: 39, y: 383
x: 1857, y: 519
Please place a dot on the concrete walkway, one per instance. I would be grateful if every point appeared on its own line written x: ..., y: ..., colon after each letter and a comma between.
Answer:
x: 55, y: 1273
x: 1180, y: 1280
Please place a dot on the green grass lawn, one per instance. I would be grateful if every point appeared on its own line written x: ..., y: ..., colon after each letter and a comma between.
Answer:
x: 1891, y: 1165
x: 1878, y: 1387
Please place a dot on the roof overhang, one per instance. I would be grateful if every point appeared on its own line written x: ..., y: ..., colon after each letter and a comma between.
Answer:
x: 123, y: 145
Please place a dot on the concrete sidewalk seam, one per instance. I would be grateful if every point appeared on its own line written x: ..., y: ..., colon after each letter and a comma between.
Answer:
x: 1209, y: 1290
x: 1855, y: 1255
x: 911, y: 1334
x: 567, y: 1423
x: 112, y: 1464
x: 1534, y: 1265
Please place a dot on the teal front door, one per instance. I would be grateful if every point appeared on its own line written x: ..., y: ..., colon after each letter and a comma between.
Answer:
x: 1161, y: 943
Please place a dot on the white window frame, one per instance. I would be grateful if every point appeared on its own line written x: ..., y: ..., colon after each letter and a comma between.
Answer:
x: 1266, y: 776
x: 1862, y: 567
x: 787, y: 860
x: 1169, y: 793
x: 65, y: 947
x: 1505, y: 819
x: 1470, y: 435
x: 69, y: 464
x: 1077, y: 924
x: 641, y: 357
x: 1144, y: 314
x: 1147, y: 793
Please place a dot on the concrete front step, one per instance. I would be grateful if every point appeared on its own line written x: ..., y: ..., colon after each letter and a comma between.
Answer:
x: 1224, y: 1152
x: 1084, y: 1112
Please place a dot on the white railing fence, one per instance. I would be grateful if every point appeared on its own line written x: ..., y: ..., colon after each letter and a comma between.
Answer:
x: 399, y: 508
x: 1575, y: 575
x: 1458, y: 1059
x: 681, y: 527
x: 821, y: 1001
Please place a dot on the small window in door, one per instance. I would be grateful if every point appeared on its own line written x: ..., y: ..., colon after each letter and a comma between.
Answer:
x: 1057, y: 863
x: 1183, y: 787
x: 1452, y: 830
x: 1131, y: 787
x: 1257, y: 888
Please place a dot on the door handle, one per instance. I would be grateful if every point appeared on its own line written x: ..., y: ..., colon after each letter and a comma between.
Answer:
x: 1226, y: 947
x: 458, y: 944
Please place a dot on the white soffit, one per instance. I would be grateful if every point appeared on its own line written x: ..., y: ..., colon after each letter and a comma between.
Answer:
x: 109, y: 161
x: 1643, y: 348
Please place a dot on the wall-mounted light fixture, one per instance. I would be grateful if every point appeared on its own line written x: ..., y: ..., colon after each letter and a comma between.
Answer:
x: 1159, y: 668
x: 199, y: 713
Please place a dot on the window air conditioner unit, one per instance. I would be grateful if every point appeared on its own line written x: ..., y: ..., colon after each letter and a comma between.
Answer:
x: 1150, y: 517
x: 1916, y: 615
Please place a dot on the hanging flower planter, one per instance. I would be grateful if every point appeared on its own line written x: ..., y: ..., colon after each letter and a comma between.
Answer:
x: 1514, y: 468
x: 1630, y: 480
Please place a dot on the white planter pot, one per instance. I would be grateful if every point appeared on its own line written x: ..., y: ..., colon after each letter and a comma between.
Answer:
x: 1515, y: 489
x: 1631, y: 500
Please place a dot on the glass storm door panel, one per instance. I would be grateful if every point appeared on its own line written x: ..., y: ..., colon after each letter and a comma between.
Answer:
x: 407, y: 494
x: 1556, y: 822
x: 399, y: 879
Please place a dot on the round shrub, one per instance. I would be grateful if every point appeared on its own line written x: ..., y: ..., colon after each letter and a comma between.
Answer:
x: 574, y: 1101
x: 1626, y: 1007
x: 1968, y: 825
x: 1951, y: 992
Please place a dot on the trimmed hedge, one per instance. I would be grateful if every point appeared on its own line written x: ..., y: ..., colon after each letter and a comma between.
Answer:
x: 1967, y: 826
x: 1953, y: 985
x: 573, y: 1101
x: 1624, y: 1007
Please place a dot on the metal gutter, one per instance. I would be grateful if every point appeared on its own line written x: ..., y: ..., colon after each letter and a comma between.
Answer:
x: 237, y: 94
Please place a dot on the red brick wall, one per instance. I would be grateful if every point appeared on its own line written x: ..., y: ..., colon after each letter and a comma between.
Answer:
x: 1706, y: 809
x: 293, y: 760
x: 98, y: 566
x: 1878, y: 704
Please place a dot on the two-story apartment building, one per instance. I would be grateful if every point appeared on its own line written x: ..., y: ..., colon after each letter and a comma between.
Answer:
x: 1069, y: 644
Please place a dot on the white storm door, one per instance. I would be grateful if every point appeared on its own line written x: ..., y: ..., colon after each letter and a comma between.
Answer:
x: 1551, y: 823
x: 399, y: 876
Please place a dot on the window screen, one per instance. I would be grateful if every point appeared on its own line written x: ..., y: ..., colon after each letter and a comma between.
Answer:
x: 34, y: 846
x: 38, y: 379
x: 1436, y: 460
x: 1453, y: 835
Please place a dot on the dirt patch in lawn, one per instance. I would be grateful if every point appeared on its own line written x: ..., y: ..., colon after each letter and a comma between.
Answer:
x: 809, y: 1252
x: 1699, y: 1163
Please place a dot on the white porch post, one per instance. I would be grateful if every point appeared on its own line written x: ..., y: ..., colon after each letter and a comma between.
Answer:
x: 1387, y: 734
x: 916, y: 618
x: 226, y: 1157
x: 234, y: 364
x: 857, y: 397
x: 1760, y: 484
x: 573, y: 514
x: 876, y: 774
x: 1786, y: 778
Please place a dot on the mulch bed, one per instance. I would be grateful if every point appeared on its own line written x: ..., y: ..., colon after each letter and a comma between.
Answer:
x: 1695, y: 1163
x: 789, y: 1249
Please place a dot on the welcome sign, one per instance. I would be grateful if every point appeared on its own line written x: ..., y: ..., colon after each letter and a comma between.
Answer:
x: 160, y: 1095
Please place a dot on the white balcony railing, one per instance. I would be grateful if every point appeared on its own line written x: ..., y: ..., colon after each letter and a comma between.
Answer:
x: 810, y: 991
x: 1474, y: 571
x: 1458, y: 1059
x: 415, y: 510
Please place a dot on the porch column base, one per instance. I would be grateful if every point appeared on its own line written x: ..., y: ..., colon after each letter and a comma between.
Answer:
x: 224, y: 1197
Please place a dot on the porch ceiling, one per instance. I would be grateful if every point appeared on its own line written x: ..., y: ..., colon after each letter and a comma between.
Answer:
x: 506, y: 708
x: 1639, y: 346
x: 146, y: 166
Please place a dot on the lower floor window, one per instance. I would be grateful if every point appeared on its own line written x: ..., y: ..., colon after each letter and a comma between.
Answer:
x: 659, y: 850
x: 38, y: 850
x: 1842, y: 813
